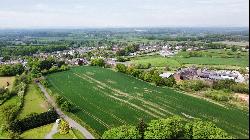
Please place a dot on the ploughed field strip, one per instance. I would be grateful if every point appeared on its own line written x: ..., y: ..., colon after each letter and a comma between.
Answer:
x: 107, y: 99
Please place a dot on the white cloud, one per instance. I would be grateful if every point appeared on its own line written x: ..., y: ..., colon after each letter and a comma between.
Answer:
x: 14, y: 13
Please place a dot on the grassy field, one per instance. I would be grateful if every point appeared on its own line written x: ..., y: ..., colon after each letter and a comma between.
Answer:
x: 219, y: 57
x: 4, y: 80
x: 156, y: 61
x: 37, y: 133
x: 245, y: 43
x: 33, y: 102
x: 107, y: 99
x: 213, y: 61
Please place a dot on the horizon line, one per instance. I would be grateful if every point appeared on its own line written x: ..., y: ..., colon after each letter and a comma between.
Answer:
x: 116, y: 27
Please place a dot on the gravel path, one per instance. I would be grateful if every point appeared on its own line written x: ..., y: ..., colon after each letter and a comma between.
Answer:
x: 71, y: 122
x: 52, y: 132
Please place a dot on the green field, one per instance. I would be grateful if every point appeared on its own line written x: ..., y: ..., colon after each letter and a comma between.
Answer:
x: 33, y: 102
x: 107, y: 99
x: 156, y: 61
x: 214, y: 61
x: 37, y: 133
x: 219, y: 57
x: 242, y: 43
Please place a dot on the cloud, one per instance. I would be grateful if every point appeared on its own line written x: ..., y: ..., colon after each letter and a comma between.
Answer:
x: 88, y: 13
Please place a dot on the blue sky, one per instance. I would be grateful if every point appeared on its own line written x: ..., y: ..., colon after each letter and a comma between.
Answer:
x: 123, y: 13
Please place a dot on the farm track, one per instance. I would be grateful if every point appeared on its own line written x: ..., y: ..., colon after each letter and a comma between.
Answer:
x: 71, y: 122
x: 108, y: 99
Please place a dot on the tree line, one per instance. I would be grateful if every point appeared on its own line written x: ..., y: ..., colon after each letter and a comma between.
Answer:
x: 170, y: 128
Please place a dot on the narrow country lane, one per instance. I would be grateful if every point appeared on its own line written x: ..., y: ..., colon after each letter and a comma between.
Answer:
x: 71, y: 122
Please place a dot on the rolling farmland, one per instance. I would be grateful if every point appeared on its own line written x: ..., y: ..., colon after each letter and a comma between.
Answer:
x: 217, y: 57
x: 107, y: 99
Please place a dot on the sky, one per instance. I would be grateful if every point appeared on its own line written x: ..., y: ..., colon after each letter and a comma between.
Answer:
x: 123, y: 13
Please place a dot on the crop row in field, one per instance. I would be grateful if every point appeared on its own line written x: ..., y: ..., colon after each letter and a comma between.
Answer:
x: 106, y: 99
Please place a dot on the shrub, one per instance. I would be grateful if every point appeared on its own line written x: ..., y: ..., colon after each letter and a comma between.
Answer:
x: 121, y: 68
x: 67, y: 106
x: 193, y: 85
x: 218, y: 95
x: 143, y: 66
x: 164, y: 128
x: 240, y: 87
x: 64, y: 127
x: 223, y: 84
x: 122, y: 59
x: 64, y: 104
x: 98, y: 62
x: 170, y: 82
x: 122, y: 132
x: 204, y: 130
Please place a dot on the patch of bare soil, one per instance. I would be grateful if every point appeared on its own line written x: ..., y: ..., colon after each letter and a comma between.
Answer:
x: 242, y: 97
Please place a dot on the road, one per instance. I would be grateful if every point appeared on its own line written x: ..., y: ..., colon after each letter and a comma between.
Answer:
x: 71, y: 122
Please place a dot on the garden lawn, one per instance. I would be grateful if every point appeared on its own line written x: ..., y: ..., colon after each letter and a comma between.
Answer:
x: 37, y: 133
x: 107, y: 99
x: 33, y: 102
x: 73, y: 134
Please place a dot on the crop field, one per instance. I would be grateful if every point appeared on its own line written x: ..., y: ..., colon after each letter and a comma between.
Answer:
x: 107, y: 99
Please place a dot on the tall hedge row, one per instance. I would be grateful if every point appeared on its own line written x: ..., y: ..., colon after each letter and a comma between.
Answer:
x: 34, y: 121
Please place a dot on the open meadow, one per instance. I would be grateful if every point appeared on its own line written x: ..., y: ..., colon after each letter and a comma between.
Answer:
x: 218, y: 57
x: 106, y: 99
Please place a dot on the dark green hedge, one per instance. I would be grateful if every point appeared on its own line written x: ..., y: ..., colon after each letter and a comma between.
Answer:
x: 34, y: 121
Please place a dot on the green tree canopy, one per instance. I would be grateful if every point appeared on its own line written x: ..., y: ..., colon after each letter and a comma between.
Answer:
x: 122, y: 132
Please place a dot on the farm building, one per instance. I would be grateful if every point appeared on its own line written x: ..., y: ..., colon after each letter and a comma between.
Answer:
x: 166, y: 74
x: 192, y: 73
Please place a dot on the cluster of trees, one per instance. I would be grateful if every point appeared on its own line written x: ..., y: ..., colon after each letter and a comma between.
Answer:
x: 38, y: 67
x: 193, y: 54
x: 11, y: 70
x: 218, y: 95
x: 29, y: 50
x: 33, y: 121
x: 171, y: 128
x: 122, y: 59
x: 231, y: 86
x: 192, y: 85
x: 148, y: 76
x: 11, y: 111
x: 226, y: 85
x: 97, y: 62
x: 143, y: 66
x: 131, y: 48
x: 64, y: 104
